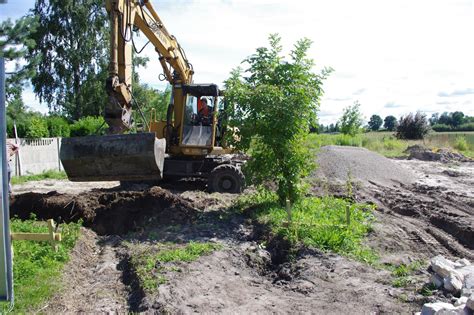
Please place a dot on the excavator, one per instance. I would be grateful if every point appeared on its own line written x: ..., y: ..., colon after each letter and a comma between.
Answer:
x: 187, y: 144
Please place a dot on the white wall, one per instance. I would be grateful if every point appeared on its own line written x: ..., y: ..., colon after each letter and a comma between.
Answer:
x: 36, y: 156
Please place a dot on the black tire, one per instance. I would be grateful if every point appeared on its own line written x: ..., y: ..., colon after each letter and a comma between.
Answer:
x: 226, y: 178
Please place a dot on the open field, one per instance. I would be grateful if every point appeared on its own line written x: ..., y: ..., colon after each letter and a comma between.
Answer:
x: 386, y: 143
x: 178, y: 249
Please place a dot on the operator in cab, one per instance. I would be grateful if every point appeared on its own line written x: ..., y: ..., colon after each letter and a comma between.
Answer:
x: 204, y: 112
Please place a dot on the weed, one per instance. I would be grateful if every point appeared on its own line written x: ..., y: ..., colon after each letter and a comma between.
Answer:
x: 51, y: 174
x: 36, y: 266
x: 317, y: 222
x: 403, y: 273
x: 151, y: 263
x: 461, y: 144
x: 428, y: 289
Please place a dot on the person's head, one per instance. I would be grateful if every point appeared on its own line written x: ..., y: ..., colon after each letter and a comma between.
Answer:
x: 204, y: 101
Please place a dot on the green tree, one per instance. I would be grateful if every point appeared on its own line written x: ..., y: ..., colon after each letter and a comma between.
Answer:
x: 15, y: 41
x: 88, y: 126
x: 37, y: 128
x: 273, y: 103
x: 71, y: 43
x: 375, y: 122
x: 457, y: 118
x: 351, y: 120
x: 58, y: 126
x: 390, y: 123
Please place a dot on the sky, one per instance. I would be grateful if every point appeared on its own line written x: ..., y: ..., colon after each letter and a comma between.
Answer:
x: 392, y: 56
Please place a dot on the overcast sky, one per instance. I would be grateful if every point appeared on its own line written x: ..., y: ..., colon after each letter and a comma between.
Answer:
x: 393, y: 56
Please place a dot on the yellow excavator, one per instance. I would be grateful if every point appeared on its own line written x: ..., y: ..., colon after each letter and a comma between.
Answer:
x: 189, y: 143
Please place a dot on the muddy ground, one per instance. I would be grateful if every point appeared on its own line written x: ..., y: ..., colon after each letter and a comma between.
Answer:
x: 252, y: 272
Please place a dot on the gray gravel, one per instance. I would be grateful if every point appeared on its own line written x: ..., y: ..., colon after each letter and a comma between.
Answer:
x: 335, y: 163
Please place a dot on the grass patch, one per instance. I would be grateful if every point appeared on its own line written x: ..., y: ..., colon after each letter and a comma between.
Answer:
x: 36, y: 266
x: 51, y: 174
x: 403, y: 272
x: 317, y: 222
x: 149, y: 262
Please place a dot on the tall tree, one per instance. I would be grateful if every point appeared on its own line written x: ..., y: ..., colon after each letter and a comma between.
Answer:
x: 15, y: 40
x: 273, y: 104
x: 72, y: 44
x: 390, y: 123
x: 375, y: 122
x: 351, y: 119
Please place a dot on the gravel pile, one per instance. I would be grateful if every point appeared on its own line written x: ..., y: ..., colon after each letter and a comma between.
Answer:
x: 336, y: 163
x: 420, y: 152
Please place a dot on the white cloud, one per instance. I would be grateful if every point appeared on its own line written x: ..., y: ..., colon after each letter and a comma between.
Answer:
x: 400, y: 51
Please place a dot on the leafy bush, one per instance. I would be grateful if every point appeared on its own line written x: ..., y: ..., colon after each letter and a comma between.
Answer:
x: 37, y: 128
x: 466, y: 127
x: 88, y: 126
x: 441, y: 127
x: 58, y: 127
x: 461, y: 144
x: 413, y: 126
x: 351, y: 120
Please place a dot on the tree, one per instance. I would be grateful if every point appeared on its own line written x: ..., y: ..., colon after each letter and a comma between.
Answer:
x: 37, y: 128
x: 351, y: 120
x: 375, y: 122
x: 390, y: 123
x: 413, y: 126
x: 273, y: 103
x: 434, y: 119
x: 14, y: 44
x: 457, y: 118
x: 445, y: 119
x: 71, y: 43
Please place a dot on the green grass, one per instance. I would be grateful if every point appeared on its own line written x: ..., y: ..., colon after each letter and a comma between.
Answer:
x: 386, y: 144
x: 36, y: 266
x: 149, y: 262
x: 51, y: 174
x: 316, y: 222
x: 403, y: 273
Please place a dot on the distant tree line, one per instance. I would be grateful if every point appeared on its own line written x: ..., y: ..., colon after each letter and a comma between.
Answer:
x: 454, y: 121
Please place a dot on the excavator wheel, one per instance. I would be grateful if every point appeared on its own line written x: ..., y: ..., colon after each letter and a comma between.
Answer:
x: 226, y: 178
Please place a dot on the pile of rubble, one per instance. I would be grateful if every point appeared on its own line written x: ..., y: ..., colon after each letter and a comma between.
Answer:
x: 456, y: 278
x: 420, y: 152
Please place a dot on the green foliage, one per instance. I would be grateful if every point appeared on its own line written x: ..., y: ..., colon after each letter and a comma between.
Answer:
x: 273, y: 104
x: 51, y: 174
x: 375, y: 122
x: 461, y: 144
x: 14, y: 44
x: 466, y: 127
x: 351, y: 120
x: 37, y: 128
x: 390, y: 123
x: 72, y: 41
x: 36, y: 266
x: 403, y: 272
x: 58, y: 126
x: 413, y: 126
x: 150, y: 263
x: 88, y: 126
x: 441, y: 127
x: 317, y: 222
x: 148, y: 99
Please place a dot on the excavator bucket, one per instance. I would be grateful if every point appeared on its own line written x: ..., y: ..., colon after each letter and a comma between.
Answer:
x: 113, y: 157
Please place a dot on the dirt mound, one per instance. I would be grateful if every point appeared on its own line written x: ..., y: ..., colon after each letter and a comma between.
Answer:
x: 338, y: 163
x: 420, y: 152
x: 106, y: 212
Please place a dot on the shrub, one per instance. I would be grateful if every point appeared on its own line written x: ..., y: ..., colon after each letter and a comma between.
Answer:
x: 441, y: 127
x: 58, y: 127
x: 413, y: 126
x: 461, y: 144
x: 37, y: 128
x: 351, y: 120
x: 88, y: 126
x: 466, y: 127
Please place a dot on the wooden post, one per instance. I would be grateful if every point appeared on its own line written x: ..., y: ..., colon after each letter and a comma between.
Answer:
x: 288, y: 210
x: 18, y: 154
x: 51, y: 237
x: 348, y: 215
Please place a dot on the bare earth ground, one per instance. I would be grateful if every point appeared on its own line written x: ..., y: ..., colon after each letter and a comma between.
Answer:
x: 430, y: 215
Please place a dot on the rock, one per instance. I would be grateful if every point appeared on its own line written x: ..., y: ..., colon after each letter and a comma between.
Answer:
x: 453, y: 282
x: 470, y: 302
x: 442, y: 266
x: 434, y: 308
x: 461, y: 301
x: 461, y: 263
x: 467, y: 292
x: 437, y: 281
x: 466, y: 270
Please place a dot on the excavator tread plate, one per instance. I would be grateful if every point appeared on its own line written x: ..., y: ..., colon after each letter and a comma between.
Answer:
x: 113, y: 157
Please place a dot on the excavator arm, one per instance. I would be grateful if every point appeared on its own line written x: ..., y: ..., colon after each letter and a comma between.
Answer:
x: 126, y: 16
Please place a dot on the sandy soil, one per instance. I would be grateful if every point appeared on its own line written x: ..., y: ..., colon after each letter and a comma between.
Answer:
x: 433, y: 215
